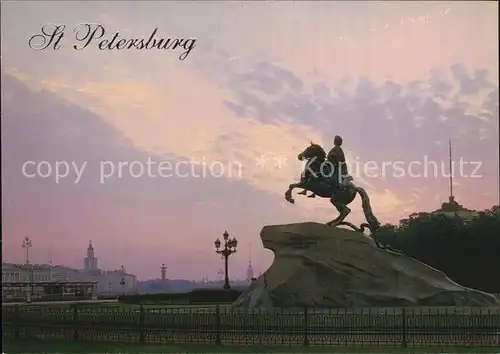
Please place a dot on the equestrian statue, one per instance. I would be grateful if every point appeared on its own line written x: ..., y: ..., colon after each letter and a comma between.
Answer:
x: 326, y: 176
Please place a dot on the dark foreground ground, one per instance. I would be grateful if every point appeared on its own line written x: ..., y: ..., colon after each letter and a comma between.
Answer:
x: 51, y: 346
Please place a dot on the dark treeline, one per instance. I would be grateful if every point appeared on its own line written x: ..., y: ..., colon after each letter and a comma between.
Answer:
x: 467, y: 252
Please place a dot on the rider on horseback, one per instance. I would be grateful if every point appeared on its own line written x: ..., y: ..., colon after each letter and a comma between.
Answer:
x: 338, y: 189
x: 337, y: 158
x: 337, y: 161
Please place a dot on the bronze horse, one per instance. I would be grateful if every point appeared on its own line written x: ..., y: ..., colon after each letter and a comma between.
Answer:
x: 320, y: 181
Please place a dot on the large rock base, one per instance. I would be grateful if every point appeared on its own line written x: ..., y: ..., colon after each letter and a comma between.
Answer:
x: 319, y: 266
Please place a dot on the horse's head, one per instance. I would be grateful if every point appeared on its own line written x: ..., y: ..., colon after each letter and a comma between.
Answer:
x: 312, y: 151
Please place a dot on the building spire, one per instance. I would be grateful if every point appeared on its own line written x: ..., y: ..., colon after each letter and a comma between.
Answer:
x: 250, y: 268
x: 50, y: 263
x: 90, y: 261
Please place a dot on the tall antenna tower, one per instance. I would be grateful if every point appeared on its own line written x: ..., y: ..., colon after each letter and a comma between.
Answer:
x: 452, y: 198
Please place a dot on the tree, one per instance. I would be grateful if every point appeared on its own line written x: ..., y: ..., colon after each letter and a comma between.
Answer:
x: 468, y: 252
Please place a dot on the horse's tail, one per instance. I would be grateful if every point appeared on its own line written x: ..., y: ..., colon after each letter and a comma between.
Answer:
x: 367, y: 209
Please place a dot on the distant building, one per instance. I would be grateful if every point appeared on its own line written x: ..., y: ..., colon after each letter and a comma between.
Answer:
x: 12, y: 273
x: 47, y: 279
x: 452, y: 208
x: 38, y: 273
x: 90, y: 262
x: 115, y: 282
x: 22, y: 282
x: 109, y: 282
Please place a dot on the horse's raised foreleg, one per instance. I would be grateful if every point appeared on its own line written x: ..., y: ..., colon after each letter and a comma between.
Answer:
x: 304, y: 181
x: 343, y: 212
x: 288, y: 193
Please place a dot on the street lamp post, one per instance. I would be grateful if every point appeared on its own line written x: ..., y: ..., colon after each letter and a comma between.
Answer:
x: 229, y: 248
x: 27, y: 244
x: 122, y: 281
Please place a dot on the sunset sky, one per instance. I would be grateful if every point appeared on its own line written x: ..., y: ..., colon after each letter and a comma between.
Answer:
x: 396, y: 80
